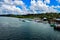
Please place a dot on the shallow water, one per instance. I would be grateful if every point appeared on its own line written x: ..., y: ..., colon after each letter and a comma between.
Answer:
x: 15, y: 29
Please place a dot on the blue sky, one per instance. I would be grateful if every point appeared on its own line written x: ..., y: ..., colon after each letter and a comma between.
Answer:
x: 27, y: 2
x: 29, y: 6
x: 52, y: 2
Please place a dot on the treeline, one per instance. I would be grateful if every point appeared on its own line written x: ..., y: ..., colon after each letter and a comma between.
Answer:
x: 42, y: 15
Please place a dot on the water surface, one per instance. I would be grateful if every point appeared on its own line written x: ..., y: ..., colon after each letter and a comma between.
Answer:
x: 15, y: 29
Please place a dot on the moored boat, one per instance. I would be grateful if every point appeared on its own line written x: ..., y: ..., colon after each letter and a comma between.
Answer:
x: 37, y: 20
x: 51, y: 22
x: 45, y: 20
x: 57, y: 24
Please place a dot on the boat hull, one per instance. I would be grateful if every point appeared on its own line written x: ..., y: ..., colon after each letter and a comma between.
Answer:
x: 57, y: 27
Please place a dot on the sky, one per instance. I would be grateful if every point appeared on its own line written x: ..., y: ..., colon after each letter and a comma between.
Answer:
x: 23, y: 7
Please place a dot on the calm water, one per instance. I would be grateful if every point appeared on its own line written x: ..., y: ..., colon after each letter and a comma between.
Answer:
x: 15, y: 29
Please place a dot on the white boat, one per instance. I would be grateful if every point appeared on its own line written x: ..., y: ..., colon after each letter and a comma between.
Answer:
x: 37, y: 20
x: 27, y: 21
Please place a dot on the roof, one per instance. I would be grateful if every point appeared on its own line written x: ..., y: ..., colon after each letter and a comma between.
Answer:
x: 58, y: 19
x: 44, y: 18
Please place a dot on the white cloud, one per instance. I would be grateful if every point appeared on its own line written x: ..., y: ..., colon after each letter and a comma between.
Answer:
x: 10, y: 7
x: 18, y: 3
x: 41, y: 7
x: 55, y: 6
x: 47, y: 1
x: 10, y: 2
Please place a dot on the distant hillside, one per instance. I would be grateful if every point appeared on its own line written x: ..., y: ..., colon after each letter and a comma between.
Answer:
x: 47, y: 15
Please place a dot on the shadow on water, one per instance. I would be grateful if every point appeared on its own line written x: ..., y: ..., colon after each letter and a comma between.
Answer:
x: 56, y: 29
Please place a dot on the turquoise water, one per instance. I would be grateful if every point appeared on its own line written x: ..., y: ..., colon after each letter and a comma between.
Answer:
x: 16, y: 29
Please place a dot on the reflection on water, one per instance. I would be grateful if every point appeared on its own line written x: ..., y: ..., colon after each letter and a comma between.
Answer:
x: 14, y: 29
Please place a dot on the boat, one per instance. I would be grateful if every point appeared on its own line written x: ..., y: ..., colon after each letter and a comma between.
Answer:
x: 23, y: 20
x: 27, y: 21
x: 51, y: 22
x: 45, y: 20
x: 37, y: 20
x: 57, y: 24
x: 52, y: 25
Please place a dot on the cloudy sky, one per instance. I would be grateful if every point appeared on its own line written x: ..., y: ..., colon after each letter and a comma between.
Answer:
x: 29, y: 6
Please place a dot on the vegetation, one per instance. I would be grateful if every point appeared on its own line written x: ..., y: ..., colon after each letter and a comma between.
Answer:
x: 42, y: 15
